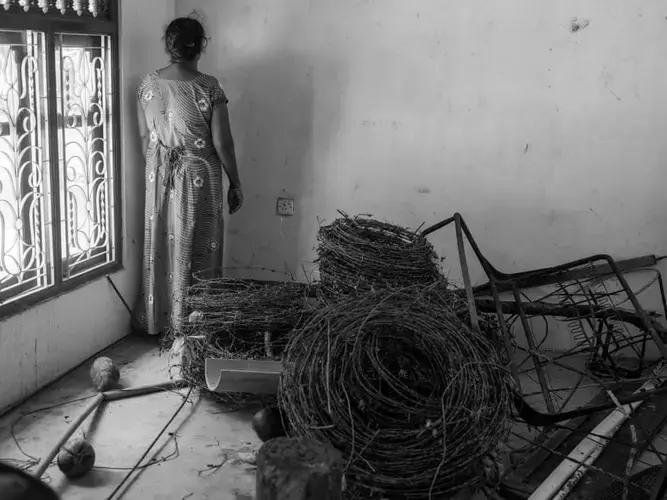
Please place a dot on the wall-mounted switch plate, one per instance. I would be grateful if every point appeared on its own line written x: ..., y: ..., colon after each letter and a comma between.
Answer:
x: 285, y: 206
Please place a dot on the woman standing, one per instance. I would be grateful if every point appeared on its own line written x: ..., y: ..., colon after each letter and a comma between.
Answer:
x: 186, y: 136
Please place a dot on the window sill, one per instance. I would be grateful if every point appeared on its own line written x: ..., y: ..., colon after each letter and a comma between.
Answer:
x: 25, y: 303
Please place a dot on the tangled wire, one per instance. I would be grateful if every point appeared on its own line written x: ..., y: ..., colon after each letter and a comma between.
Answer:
x: 413, y: 397
x: 359, y: 253
x: 239, y: 319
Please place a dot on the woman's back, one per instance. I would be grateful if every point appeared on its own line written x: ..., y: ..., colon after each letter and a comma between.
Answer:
x: 179, y: 107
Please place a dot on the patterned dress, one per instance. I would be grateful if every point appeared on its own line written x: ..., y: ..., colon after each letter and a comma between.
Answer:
x: 183, y: 233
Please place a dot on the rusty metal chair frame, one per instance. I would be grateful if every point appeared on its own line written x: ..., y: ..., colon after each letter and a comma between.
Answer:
x: 501, y: 282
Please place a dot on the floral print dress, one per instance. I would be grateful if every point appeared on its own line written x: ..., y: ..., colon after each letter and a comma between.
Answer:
x: 184, y: 224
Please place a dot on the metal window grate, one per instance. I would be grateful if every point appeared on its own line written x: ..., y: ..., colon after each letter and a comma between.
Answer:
x: 26, y: 253
x: 85, y: 151
x: 59, y: 137
x: 97, y: 9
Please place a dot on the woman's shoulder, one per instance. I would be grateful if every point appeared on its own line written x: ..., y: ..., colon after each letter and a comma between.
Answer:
x: 209, y: 80
x: 148, y: 79
x: 153, y: 75
x: 203, y: 79
x: 146, y: 86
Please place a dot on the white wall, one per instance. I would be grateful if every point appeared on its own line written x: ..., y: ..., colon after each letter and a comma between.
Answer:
x: 44, y: 342
x: 550, y: 143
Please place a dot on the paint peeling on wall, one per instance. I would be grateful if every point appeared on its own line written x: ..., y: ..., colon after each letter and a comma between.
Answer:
x: 579, y: 25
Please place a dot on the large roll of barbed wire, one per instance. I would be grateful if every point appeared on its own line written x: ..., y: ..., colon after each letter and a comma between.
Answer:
x: 415, y: 399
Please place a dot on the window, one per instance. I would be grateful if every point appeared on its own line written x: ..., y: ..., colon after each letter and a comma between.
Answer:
x: 59, y: 145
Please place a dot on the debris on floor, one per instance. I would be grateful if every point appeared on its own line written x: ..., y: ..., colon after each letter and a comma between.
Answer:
x: 365, y: 261
x: 205, y: 432
x: 427, y: 389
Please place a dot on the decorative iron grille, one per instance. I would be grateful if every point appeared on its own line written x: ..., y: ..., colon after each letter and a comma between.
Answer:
x: 58, y: 142
x: 25, y: 248
x: 98, y: 9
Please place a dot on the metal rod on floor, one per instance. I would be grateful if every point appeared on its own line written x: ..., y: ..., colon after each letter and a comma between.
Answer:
x: 162, y: 431
x: 117, y: 394
x: 92, y: 406
x: 46, y: 462
x: 569, y: 472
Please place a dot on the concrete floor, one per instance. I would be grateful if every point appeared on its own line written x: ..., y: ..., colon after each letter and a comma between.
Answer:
x: 205, y: 453
x: 207, y: 450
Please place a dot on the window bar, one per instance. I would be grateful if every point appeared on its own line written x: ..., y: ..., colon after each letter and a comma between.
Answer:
x: 113, y: 216
x: 107, y: 91
x: 22, y: 155
x: 115, y: 139
x: 53, y: 128
x: 43, y: 238
x: 33, y: 196
x: 47, y: 170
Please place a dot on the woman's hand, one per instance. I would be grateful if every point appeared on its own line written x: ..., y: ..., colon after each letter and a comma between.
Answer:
x: 234, y: 199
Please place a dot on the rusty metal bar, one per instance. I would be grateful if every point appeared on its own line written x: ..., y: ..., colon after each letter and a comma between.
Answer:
x: 474, y: 318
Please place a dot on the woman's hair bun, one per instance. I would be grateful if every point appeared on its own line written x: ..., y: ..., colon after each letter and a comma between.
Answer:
x: 184, y: 39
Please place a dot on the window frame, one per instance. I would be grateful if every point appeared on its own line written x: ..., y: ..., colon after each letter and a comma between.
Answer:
x: 51, y: 25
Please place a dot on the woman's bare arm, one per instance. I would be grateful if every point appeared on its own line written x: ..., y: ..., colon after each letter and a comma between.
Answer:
x: 223, y: 142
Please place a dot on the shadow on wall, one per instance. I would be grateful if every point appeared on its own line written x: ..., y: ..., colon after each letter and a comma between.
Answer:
x: 136, y: 199
x: 136, y: 51
x: 273, y: 124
